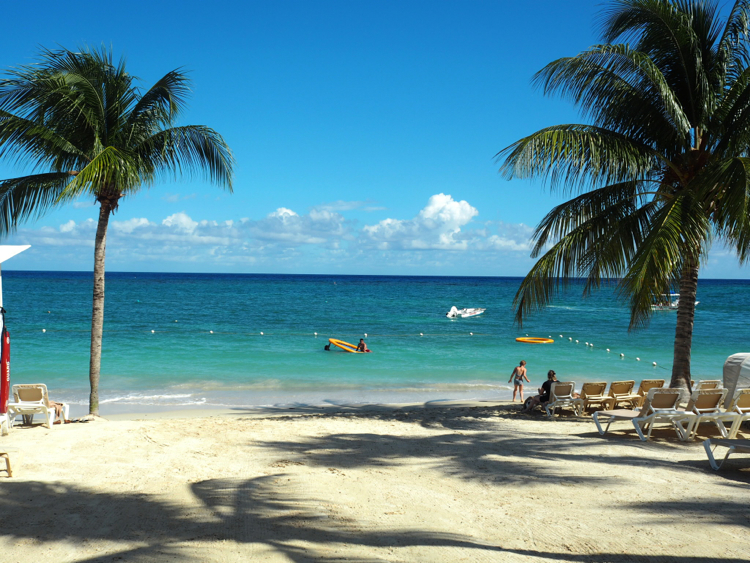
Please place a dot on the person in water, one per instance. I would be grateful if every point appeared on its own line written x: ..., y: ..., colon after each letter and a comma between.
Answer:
x: 362, y: 347
x: 544, y: 393
x: 518, y: 376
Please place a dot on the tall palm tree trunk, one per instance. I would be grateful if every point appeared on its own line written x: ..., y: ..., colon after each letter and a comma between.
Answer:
x: 97, y: 315
x: 683, y: 340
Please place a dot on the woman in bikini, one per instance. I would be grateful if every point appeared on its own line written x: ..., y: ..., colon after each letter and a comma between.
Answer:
x: 518, y: 376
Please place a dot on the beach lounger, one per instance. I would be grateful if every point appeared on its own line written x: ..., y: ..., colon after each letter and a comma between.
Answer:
x: 740, y: 405
x: 741, y: 446
x: 622, y: 393
x: 708, y: 384
x: 705, y: 406
x: 31, y: 399
x: 660, y: 406
x: 561, y: 396
x: 593, y: 395
x: 646, y: 386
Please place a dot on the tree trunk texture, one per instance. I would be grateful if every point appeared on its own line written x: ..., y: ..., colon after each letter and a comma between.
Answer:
x: 683, y: 340
x: 97, y: 315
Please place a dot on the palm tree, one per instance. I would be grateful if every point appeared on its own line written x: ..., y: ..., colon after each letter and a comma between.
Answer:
x: 662, y: 171
x: 86, y: 129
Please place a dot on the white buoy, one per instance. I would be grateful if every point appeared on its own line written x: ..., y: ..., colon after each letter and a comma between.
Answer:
x: 592, y: 344
x: 152, y: 332
x: 607, y: 349
x: 471, y: 334
x: 44, y: 330
x: 550, y: 336
x: 622, y: 355
x: 653, y: 364
x: 576, y: 341
x: 315, y: 333
x: 176, y: 321
x: 570, y: 339
x: 420, y: 334
x: 211, y: 331
x: 637, y: 359
x: 586, y: 343
x: 365, y: 335
x: 561, y: 336
x: 261, y: 334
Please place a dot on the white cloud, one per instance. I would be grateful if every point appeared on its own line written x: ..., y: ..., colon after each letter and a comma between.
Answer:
x: 437, y: 226
x: 322, y: 240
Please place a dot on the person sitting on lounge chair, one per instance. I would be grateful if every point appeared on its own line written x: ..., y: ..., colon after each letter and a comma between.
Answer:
x: 544, y: 392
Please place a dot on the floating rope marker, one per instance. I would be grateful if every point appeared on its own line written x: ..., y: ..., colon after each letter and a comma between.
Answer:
x: 576, y: 341
x: 585, y: 343
x: 637, y: 359
x: 420, y: 334
x: 315, y: 333
x: 570, y: 339
x: 211, y: 331
x: 622, y: 355
x: 471, y: 334
x: 261, y: 334
x: 365, y: 335
x: 561, y: 336
x: 592, y: 344
x: 152, y: 332
x: 653, y: 364
x: 44, y: 330
x: 607, y: 349
x: 176, y: 321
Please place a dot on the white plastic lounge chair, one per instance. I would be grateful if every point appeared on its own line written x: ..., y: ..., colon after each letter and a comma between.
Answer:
x: 646, y: 386
x: 31, y: 399
x: 708, y: 384
x: 741, y: 446
x: 705, y: 406
x: 660, y: 406
x: 740, y: 406
x: 560, y: 396
x: 592, y: 395
x: 622, y: 393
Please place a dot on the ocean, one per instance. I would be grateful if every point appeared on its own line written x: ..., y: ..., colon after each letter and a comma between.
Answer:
x: 232, y: 340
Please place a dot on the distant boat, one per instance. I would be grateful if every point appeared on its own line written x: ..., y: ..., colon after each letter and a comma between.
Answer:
x: 464, y: 313
x: 667, y: 302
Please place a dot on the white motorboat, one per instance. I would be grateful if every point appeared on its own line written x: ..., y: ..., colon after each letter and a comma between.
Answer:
x: 454, y: 313
x: 668, y: 302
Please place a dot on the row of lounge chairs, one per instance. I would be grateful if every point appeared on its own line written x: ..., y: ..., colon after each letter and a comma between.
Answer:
x: 654, y: 404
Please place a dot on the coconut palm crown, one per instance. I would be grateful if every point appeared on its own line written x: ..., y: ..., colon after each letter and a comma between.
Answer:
x: 662, y: 170
x: 84, y: 127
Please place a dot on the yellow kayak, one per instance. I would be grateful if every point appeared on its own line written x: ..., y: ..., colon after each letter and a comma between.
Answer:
x: 345, y: 346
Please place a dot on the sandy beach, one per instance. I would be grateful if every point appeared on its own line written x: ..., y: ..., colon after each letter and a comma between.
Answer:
x: 448, y: 483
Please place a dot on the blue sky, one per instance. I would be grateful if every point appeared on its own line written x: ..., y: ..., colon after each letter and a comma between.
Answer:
x: 364, y: 133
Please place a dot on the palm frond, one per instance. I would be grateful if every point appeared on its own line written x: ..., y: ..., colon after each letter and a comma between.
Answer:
x: 576, y: 156
x: 28, y: 197
x: 189, y: 150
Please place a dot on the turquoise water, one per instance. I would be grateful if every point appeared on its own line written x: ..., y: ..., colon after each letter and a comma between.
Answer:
x: 182, y: 363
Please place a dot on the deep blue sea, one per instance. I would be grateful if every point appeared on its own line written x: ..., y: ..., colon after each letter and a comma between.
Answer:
x: 249, y: 340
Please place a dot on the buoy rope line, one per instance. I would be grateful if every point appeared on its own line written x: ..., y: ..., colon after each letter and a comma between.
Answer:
x: 523, y: 339
x: 608, y: 351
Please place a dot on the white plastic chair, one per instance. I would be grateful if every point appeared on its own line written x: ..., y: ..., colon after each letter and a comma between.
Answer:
x: 660, y: 405
x: 741, y: 446
x: 31, y: 399
x: 561, y: 395
x: 740, y: 406
x: 4, y: 424
x: 705, y: 406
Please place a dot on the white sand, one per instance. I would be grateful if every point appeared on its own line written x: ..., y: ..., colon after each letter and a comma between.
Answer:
x: 439, y: 484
